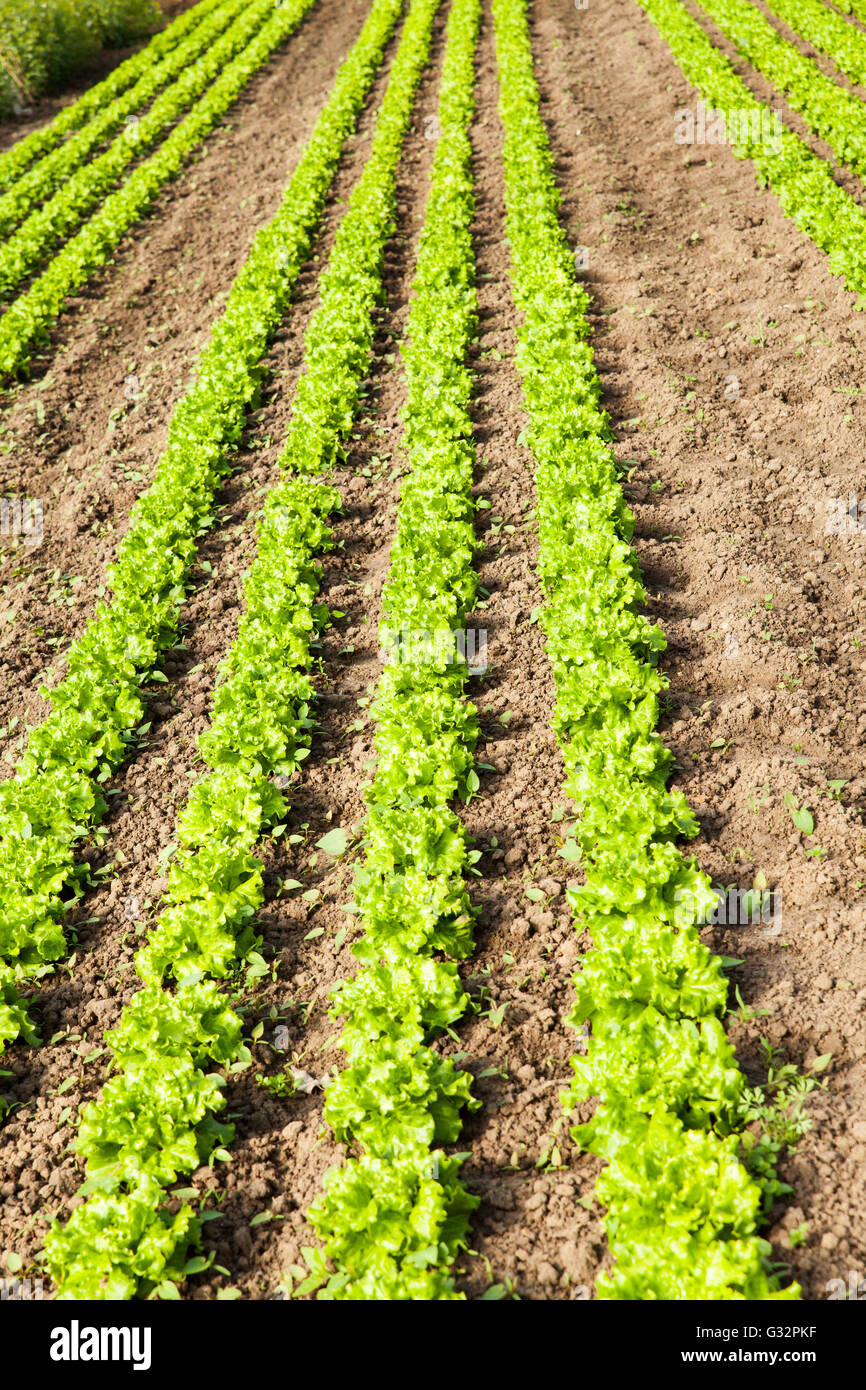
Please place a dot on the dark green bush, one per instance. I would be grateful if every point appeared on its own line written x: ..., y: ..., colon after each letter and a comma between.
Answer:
x: 44, y: 43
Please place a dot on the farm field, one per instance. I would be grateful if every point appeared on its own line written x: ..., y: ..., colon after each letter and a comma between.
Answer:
x: 303, y: 359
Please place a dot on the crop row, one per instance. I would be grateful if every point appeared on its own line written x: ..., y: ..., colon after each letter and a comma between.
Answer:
x: 55, y: 798
x: 47, y: 43
x: 157, y: 1119
x: 802, y: 182
x: 53, y: 222
x: 37, y: 185
x: 682, y: 1209
x: 831, y: 112
x: 397, y: 1096
x: 69, y: 206
x: 28, y: 317
x: 33, y: 146
x: 828, y: 32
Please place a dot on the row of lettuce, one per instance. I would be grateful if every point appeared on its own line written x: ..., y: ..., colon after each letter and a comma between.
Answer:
x: 802, y: 182
x: 394, y: 1217
x: 38, y: 183
x: 253, y: 37
x: 157, y: 1120
x: 830, y: 34
x: 833, y: 113
x: 28, y: 148
x: 682, y: 1209
x: 48, y: 42
x: 55, y: 798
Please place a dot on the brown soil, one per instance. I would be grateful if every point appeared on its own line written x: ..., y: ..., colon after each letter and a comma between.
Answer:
x: 696, y: 279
